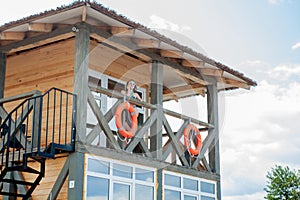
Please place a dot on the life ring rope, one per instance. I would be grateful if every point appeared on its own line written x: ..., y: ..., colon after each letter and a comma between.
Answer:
x: 189, y: 137
x: 127, y: 134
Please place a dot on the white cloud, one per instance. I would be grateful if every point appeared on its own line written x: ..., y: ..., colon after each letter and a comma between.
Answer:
x: 261, y: 131
x: 274, y: 2
x: 161, y: 23
x: 296, y: 46
x: 255, y: 196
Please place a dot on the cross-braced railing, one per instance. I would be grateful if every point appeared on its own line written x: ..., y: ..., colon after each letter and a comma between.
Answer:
x: 173, y: 150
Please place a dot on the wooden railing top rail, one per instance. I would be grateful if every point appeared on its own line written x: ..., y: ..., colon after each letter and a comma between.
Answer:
x: 20, y: 96
x: 118, y: 95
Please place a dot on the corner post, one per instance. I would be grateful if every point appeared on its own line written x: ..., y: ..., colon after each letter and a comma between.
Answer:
x: 76, y: 176
x: 156, y: 128
x: 81, y: 61
x: 213, y: 118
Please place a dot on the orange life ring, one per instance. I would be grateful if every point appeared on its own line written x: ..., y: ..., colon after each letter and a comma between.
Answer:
x: 187, y: 142
x: 126, y: 133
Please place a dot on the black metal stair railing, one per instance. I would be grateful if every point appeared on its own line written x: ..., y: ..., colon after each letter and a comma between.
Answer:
x: 38, y: 128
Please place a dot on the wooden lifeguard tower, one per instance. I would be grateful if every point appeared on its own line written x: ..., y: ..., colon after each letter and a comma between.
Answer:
x: 61, y: 73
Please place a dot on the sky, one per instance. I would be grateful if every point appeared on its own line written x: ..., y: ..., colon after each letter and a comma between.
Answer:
x: 260, y: 38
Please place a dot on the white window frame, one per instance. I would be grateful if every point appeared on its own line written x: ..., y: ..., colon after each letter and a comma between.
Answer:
x: 184, y: 191
x: 122, y: 180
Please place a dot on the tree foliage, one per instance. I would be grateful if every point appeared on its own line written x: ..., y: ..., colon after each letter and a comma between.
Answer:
x: 283, y: 184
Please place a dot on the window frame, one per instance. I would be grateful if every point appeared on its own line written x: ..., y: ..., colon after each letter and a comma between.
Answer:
x: 117, y: 179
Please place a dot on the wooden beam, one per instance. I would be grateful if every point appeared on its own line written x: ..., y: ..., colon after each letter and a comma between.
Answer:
x: 141, y: 132
x: 210, y: 72
x: 20, y: 96
x: 12, y: 36
x: 40, y: 27
x: 146, y: 43
x: 102, y: 121
x: 27, y: 43
x: 122, y: 31
x: 235, y: 83
x: 129, y: 47
x: 76, y: 175
x: 192, y: 63
x: 83, y: 14
x: 171, y: 53
x: 175, y: 142
x: 184, y: 88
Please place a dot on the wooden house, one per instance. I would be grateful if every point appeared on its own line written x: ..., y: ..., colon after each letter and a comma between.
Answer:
x: 61, y: 76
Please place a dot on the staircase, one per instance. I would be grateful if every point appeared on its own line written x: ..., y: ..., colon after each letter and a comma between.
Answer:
x: 39, y: 128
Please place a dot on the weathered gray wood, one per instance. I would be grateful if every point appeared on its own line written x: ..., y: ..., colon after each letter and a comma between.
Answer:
x: 144, y: 146
x: 15, y: 127
x: 168, y: 146
x: 141, y: 132
x: 102, y: 121
x: 142, y: 160
x: 64, y: 172
x: 116, y: 94
x: 76, y: 176
x: 82, y: 49
x: 213, y: 118
x: 174, y: 143
x: 2, y: 74
x: 156, y: 88
x: 20, y: 96
x: 97, y: 129
x: 206, y: 164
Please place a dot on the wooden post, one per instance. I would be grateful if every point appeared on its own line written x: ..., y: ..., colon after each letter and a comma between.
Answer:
x: 82, y: 49
x: 2, y: 73
x: 156, y: 128
x: 214, y: 151
x: 76, y: 176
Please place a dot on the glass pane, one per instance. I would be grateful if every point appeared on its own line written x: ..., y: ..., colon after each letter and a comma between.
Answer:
x: 144, y: 192
x: 207, y: 187
x: 171, y: 194
x: 207, y: 198
x: 144, y: 175
x: 190, y: 184
x: 188, y: 197
x: 122, y: 171
x: 98, y: 166
x: 172, y: 180
x: 97, y: 188
x: 121, y: 191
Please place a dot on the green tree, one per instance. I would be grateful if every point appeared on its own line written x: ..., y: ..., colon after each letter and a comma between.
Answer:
x: 283, y: 184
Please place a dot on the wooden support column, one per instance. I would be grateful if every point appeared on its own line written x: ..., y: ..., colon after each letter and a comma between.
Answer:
x: 2, y: 73
x: 76, y: 176
x: 214, y: 151
x: 156, y: 128
x: 82, y: 49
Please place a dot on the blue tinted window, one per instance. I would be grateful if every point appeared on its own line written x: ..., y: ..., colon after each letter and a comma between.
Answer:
x: 207, y: 187
x: 98, y: 166
x: 122, y: 171
x: 172, y: 195
x: 188, y: 197
x: 144, y: 175
x: 121, y: 191
x: 172, y: 180
x: 207, y: 198
x: 144, y: 192
x: 97, y: 188
x: 190, y: 184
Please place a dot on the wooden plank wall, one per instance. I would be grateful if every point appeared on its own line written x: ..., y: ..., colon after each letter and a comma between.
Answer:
x: 41, y: 69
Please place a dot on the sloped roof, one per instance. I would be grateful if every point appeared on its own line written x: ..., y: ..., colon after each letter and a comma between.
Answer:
x: 124, y: 20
